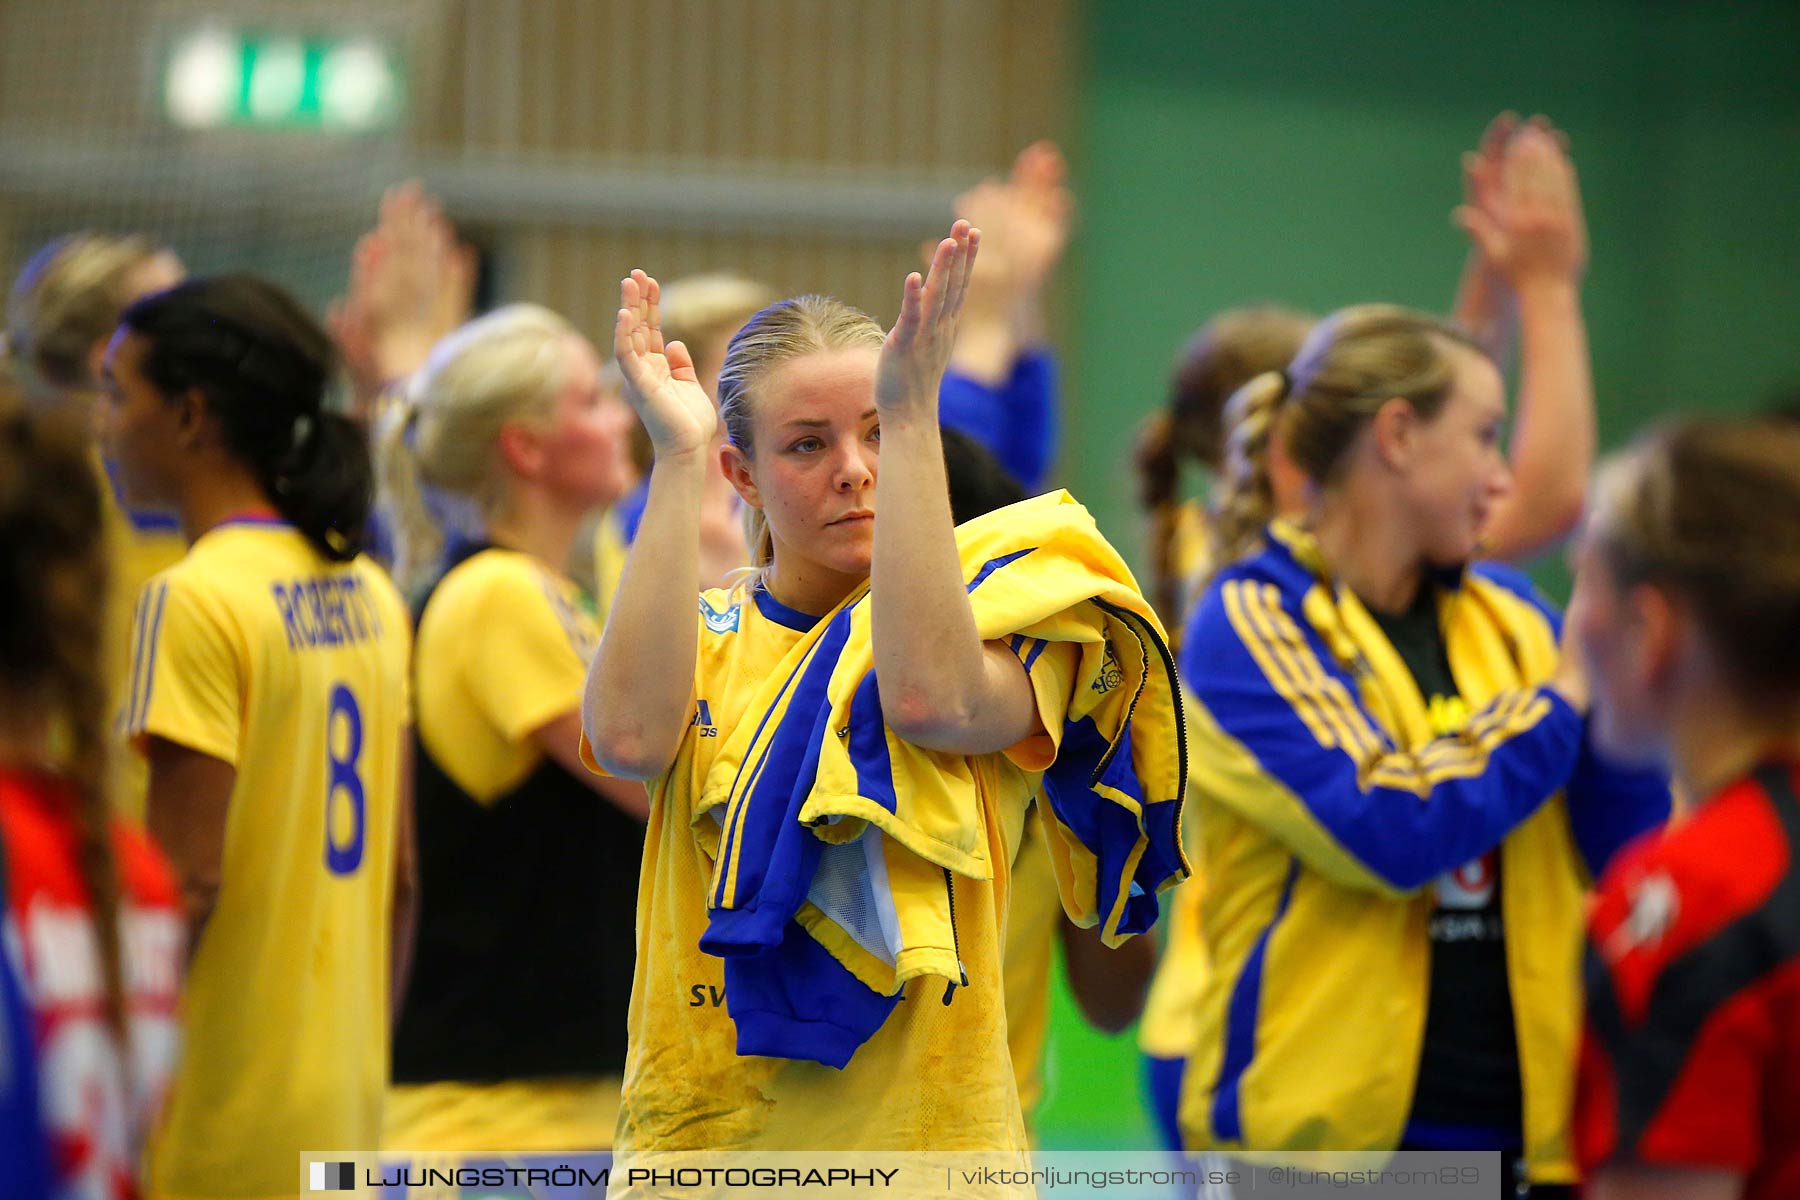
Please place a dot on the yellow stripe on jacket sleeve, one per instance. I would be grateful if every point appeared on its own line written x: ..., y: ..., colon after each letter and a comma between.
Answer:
x: 1404, y: 817
x: 1266, y: 621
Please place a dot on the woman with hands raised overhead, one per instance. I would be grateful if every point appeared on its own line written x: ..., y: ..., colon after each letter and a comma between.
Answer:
x: 1404, y: 806
x: 1528, y: 254
x: 810, y: 484
x: 754, y: 976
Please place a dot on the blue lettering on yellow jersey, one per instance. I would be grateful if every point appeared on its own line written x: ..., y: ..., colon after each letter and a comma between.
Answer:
x: 315, y: 744
x: 325, y: 611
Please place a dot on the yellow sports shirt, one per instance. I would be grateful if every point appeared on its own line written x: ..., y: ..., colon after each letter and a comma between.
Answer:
x: 258, y: 651
x: 686, y: 1087
x: 1172, y: 1009
x: 1031, y: 937
x: 503, y: 650
x: 139, y: 544
x: 461, y: 1119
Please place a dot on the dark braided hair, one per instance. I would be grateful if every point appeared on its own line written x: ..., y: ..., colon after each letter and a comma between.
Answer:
x: 1227, y: 352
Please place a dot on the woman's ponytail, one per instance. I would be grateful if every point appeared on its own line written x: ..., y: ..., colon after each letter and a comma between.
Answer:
x: 1244, y: 500
x: 418, y: 541
x: 1159, y: 483
x: 327, y: 491
x: 1231, y: 349
x: 264, y: 366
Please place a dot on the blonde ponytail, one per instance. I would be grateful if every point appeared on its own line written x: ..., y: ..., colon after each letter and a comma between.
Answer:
x: 505, y: 366
x: 418, y: 542
x: 759, y: 538
x: 1244, y: 500
x: 1231, y: 349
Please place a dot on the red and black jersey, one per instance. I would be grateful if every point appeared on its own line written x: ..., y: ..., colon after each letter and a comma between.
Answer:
x: 98, y: 1098
x: 1692, y: 1052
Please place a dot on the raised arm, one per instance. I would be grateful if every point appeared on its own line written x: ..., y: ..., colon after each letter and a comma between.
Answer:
x: 409, y: 285
x: 1484, y: 301
x: 1025, y: 220
x: 636, y: 702
x: 1001, y: 387
x: 941, y: 686
x: 1537, y: 239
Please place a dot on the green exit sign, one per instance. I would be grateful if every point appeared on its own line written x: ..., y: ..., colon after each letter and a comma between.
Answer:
x: 218, y: 78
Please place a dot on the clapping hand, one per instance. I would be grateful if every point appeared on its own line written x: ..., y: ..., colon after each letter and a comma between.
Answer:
x: 918, y: 346
x: 660, y: 381
x: 1523, y: 205
x: 409, y: 286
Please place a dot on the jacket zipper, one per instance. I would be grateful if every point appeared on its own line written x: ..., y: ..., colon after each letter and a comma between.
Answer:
x: 955, y: 945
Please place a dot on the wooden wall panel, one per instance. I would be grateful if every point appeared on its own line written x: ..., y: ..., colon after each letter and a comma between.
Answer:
x: 904, y: 94
x: 902, y: 84
x: 576, y: 271
x: 895, y: 87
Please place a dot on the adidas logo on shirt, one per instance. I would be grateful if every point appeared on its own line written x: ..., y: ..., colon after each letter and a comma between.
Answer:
x: 703, y: 720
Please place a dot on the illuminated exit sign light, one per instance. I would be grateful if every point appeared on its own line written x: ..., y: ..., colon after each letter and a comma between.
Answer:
x: 217, y: 79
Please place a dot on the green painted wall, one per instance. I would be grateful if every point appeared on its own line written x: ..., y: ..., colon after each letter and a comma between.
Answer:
x: 1305, y: 151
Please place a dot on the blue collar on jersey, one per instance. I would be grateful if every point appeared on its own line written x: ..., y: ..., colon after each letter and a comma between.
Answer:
x: 780, y: 613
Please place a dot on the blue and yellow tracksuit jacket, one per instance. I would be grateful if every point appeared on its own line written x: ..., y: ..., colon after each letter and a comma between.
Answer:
x: 1327, y: 807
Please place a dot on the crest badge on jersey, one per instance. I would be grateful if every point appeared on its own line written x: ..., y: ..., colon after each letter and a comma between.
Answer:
x: 717, y: 621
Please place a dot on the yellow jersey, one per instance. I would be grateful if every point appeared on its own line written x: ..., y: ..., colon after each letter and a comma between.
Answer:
x: 513, y: 1032
x: 139, y: 544
x: 610, y: 549
x: 258, y: 651
x: 1031, y: 937
x: 1172, y: 1007
x: 503, y: 648
x: 1330, y: 811
x: 686, y: 1087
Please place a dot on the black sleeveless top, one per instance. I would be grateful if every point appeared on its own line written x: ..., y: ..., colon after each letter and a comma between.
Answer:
x: 526, y: 946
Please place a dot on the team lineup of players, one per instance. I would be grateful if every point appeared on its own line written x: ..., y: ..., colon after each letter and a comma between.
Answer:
x: 368, y: 777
